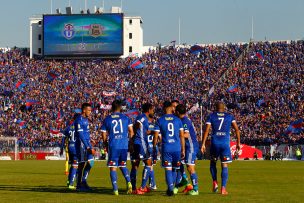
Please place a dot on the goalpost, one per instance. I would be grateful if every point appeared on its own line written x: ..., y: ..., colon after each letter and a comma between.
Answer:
x: 9, y: 148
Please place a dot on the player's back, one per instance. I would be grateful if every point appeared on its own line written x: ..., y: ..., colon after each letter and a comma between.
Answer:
x: 141, y: 132
x: 150, y: 136
x: 221, y: 127
x: 69, y: 133
x: 169, y: 126
x: 117, y: 126
x: 81, y: 125
x: 191, y: 142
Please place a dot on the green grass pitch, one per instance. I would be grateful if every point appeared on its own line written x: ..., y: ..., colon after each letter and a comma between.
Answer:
x: 249, y: 181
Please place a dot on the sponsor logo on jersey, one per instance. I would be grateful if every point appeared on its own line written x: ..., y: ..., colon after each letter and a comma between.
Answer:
x: 169, y: 118
x: 112, y: 163
x: 115, y: 116
x: 167, y: 163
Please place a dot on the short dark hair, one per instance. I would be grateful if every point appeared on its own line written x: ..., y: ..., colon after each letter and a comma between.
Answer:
x: 116, y: 104
x: 75, y: 116
x: 85, y: 105
x: 166, y: 104
x: 146, y: 107
x: 181, y: 109
x: 174, y: 101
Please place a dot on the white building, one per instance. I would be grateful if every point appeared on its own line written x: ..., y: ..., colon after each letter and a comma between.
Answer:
x: 132, y: 37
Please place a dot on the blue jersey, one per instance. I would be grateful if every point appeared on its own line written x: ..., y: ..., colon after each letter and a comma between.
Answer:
x: 82, y: 132
x: 141, y: 136
x: 117, y: 125
x: 169, y: 126
x: 221, y: 126
x: 69, y: 133
x: 151, y: 136
x: 191, y: 143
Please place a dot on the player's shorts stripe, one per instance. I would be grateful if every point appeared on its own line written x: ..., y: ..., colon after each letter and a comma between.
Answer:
x: 226, y: 162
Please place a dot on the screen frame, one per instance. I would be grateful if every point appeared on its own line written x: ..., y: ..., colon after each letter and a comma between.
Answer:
x: 85, y: 55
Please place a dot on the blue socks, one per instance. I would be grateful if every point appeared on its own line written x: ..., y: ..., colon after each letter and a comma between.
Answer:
x: 169, y: 179
x: 113, y: 175
x: 174, y: 175
x: 224, y: 176
x: 178, y: 177
x: 213, y: 170
x: 194, y: 180
x: 80, y: 173
x: 125, y: 173
x: 86, y: 172
x: 145, y: 176
x: 133, y: 178
x: 152, y: 179
x: 72, y: 175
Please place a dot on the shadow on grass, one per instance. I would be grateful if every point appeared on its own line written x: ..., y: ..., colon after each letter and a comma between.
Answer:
x: 62, y: 189
x: 52, y: 189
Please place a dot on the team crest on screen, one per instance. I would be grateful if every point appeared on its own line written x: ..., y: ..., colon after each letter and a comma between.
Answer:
x: 95, y: 30
x: 68, y: 31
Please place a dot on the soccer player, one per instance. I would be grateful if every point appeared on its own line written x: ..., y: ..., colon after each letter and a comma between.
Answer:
x: 69, y: 134
x: 119, y: 128
x: 191, y: 148
x: 173, y: 143
x: 141, y: 148
x: 152, y: 182
x: 220, y: 122
x: 181, y: 176
x: 84, y: 149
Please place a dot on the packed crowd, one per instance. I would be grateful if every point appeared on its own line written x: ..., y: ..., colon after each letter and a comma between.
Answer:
x: 59, y: 88
x: 270, y: 95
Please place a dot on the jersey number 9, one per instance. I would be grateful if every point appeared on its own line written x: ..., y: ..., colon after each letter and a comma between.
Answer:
x: 171, y: 129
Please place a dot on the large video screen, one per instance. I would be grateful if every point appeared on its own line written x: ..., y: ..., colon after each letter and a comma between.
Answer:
x: 83, y: 35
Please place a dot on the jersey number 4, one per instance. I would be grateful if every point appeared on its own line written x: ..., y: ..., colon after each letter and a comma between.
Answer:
x: 115, y: 130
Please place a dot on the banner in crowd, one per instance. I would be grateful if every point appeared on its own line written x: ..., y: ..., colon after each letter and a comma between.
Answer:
x: 108, y: 93
x: 295, y: 127
x: 196, y: 49
x: 132, y: 113
x: 233, y: 89
x: 137, y: 64
x: 105, y: 106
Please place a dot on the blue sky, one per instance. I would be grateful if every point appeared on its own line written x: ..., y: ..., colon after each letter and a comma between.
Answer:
x: 202, y: 21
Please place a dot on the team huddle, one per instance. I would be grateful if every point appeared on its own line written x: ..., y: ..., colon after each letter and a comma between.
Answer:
x: 173, y: 135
